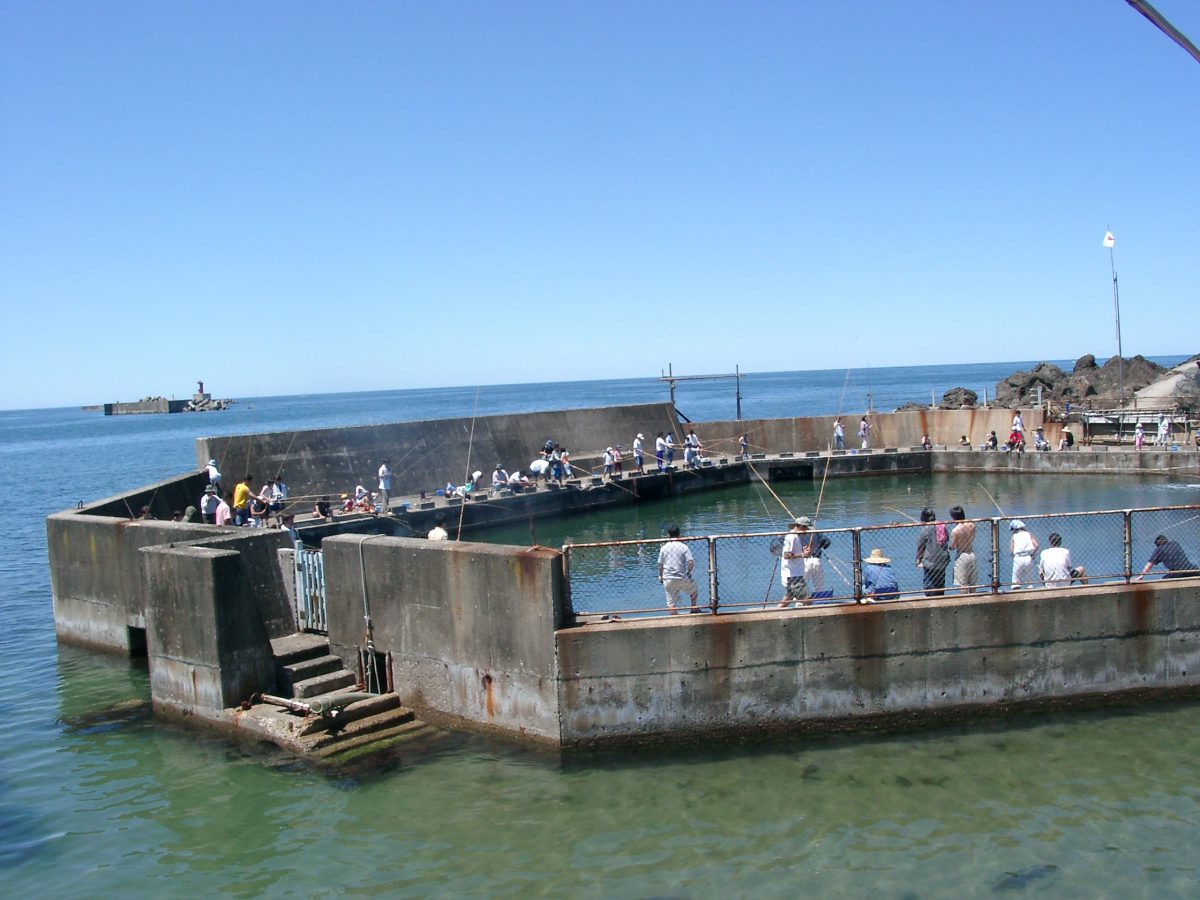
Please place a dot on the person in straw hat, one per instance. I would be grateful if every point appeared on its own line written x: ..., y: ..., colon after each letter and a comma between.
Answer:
x: 879, y: 581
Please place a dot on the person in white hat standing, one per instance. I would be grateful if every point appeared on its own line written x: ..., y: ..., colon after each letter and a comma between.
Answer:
x: 1024, y: 547
x: 639, y: 452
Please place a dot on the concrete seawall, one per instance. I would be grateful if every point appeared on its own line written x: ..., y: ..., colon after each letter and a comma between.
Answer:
x: 911, y: 660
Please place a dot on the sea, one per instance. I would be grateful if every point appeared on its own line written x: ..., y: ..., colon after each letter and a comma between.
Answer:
x: 99, y: 799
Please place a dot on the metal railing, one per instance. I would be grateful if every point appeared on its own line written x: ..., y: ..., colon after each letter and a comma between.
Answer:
x: 310, y: 591
x: 742, y: 572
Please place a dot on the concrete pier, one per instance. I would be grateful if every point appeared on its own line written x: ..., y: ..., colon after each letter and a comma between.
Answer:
x: 479, y: 635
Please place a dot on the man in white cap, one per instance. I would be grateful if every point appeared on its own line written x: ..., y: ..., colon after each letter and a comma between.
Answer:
x: 811, y: 546
x: 214, y: 474
x: 791, y: 568
x: 1024, y: 547
x: 639, y: 444
x: 208, y: 505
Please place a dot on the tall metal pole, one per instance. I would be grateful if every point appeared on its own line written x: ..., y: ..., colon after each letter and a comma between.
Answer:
x: 737, y: 374
x: 1110, y: 242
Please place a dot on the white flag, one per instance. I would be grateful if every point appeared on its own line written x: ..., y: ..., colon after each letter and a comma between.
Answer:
x: 1109, y: 240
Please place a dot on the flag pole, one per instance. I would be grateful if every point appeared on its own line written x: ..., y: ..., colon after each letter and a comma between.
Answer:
x: 1110, y: 242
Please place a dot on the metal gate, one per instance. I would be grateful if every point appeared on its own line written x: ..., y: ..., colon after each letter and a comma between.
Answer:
x: 310, y: 591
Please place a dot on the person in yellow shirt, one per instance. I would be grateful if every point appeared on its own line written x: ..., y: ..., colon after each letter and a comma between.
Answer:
x: 241, y: 500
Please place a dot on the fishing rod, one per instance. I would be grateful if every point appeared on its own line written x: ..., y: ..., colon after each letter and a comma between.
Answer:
x: 768, y: 487
x: 903, y: 513
x: 770, y: 583
x: 462, y: 510
x: 993, y: 499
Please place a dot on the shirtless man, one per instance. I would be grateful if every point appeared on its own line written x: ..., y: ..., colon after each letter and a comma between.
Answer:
x: 962, y: 542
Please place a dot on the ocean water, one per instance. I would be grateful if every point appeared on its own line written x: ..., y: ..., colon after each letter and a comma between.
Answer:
x: 97, y: 798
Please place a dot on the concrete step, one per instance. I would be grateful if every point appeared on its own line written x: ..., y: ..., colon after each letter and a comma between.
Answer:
x: 299, y: 646
x: 373, y: 741
x: 370, y: 725
x: 291, y: 674
x: 324, y: 684
x: 360, y: 709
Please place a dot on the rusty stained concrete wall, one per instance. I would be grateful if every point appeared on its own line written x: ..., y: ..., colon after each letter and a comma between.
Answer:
x: 470, y: 627
x: 901, y: 429
x: 823, y: 668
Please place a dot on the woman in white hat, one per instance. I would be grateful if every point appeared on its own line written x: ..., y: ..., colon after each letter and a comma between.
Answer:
x: 1024, y: 548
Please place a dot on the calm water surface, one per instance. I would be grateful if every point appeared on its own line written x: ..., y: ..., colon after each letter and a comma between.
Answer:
x: 97, y: 798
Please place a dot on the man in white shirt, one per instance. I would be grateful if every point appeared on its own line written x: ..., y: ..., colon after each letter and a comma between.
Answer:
x: 499, y: 478
x: 385, y: 485
x: 1056, y: 567
x: 438, y: 532
x: 214, y: 474
x: 675, y: 564
x: 791, y: 567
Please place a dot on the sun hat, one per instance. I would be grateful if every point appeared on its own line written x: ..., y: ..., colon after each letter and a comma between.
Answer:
x: 210, y: 489
x: 212, y: 462
x: 805, y: 521
x: 1016, y: 525
x: 877, y: 558
x: 641, y: 437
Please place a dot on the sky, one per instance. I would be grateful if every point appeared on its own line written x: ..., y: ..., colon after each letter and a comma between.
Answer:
x: 300, y: 197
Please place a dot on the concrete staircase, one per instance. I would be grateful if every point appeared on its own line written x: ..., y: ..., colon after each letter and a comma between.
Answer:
x: 345, y: 723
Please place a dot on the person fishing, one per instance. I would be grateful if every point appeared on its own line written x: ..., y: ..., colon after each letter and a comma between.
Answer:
x: 933, y: 554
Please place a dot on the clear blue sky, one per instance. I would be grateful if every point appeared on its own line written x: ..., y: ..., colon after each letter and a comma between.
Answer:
x: 301, y: 197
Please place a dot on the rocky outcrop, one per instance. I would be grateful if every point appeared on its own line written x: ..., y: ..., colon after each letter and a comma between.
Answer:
x: 955, y: 398
x: 1086, y: 381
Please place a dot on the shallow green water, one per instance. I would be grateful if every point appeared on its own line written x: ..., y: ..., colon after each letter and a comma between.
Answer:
x: 1085, y: 804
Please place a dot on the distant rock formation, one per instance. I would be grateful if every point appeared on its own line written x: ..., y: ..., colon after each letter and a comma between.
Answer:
x: 1087, y: 381
x: 955, y: 398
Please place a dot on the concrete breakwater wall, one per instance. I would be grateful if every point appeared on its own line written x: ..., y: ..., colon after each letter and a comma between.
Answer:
x: 477, y: 635
x: 424, y: 455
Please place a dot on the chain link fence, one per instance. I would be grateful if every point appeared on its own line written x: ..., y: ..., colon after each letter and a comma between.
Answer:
x: 748, y: 572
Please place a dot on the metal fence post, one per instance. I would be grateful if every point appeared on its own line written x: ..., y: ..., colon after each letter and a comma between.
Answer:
x: 856, y: 543
x: 569, y: 612
x: 712, y: 573
x: 1127, y: 515
x: 995, y: 555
